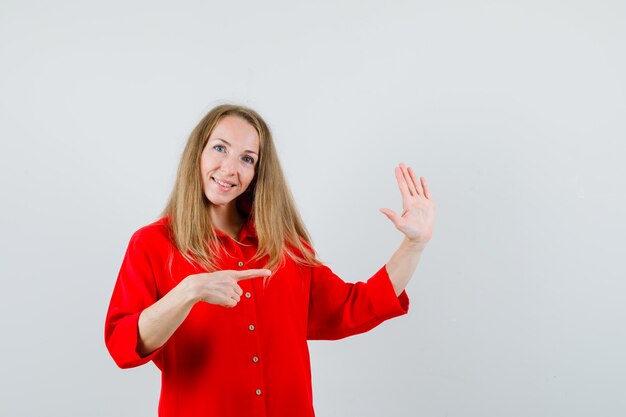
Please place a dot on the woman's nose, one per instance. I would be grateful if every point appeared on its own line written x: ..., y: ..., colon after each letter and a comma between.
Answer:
x: 229, y: 164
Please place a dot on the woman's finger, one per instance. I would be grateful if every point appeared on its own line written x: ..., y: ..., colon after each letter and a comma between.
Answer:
x: 404, y: 189
x: 391, y: 215
x: 227, y: 297
x: 238, y: 290
x: 416, y: 182
x: 251, y: 273
x: 426, y: 188
x: 408, y: 180
x: 229, y: 302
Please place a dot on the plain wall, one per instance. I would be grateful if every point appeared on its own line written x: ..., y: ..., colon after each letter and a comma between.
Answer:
x: 514, y: 111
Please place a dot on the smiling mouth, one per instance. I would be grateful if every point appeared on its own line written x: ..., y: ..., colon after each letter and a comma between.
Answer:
x: 223, y: 183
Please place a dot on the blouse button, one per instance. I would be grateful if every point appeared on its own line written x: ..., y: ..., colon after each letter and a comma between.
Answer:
x: 251, y: 327
x: 248, y: 295
x: 239, y: 264
x: 258, y: 392
x: 255, y: 359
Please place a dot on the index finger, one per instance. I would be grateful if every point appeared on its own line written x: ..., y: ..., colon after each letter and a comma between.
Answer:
x: 251, y: 273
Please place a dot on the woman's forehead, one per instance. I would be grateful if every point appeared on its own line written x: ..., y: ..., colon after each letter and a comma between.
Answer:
x: 237, y: 132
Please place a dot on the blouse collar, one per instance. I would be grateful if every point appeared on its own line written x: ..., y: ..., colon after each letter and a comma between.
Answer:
x: 248, y: 230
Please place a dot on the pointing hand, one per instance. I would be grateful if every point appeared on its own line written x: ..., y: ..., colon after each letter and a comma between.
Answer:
x: 221, y: 287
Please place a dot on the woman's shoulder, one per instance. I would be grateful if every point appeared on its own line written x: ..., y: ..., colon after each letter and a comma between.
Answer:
x: 157, y: 232
x: 303, y: 254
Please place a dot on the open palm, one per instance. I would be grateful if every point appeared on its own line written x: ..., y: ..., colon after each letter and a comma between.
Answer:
x: 418, y: 216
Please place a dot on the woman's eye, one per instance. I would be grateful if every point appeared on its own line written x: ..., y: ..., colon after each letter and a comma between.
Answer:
x: 219, y: 148
x: 248, y: 160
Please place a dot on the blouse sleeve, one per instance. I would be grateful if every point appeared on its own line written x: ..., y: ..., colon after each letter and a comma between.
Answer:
x: 134, y: 290
x: 338, y: 309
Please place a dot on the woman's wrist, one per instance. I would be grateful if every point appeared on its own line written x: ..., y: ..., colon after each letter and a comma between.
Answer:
x: 413, y: 245
x: 188, y: 290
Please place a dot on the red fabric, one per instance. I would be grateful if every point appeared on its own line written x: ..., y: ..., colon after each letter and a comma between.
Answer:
x: 208, y: 366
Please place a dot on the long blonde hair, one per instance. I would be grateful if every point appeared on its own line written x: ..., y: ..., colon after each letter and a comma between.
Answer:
x: 280, y: 230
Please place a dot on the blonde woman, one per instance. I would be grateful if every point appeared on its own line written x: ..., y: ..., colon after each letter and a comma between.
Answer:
x: 224, y: 290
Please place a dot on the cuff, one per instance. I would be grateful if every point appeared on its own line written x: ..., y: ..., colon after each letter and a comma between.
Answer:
x: 386, y: 303
x: 123, y: 343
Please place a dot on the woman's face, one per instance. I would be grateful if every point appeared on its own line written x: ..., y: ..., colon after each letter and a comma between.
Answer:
x: 228, y: 161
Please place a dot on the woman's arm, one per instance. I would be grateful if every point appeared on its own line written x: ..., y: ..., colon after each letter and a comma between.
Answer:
x: 416, y: 223
x: 402, y: 264
x: 158, y: 322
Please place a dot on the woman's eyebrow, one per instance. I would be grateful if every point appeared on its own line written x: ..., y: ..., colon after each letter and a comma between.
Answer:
x: 228, y: 143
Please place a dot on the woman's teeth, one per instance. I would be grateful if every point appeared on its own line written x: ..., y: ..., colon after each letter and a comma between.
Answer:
x: 223, y: 184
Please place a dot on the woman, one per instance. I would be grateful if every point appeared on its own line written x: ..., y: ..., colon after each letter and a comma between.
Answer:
x: 224, y: 290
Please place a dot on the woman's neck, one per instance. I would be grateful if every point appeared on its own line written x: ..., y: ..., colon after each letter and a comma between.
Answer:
x: 227, y: 219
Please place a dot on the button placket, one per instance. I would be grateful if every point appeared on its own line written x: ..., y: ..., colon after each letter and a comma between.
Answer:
x: 250, y: 313
x: 254, y: 357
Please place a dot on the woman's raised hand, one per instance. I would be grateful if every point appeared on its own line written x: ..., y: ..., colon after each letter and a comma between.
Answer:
x: 221, y: 287
x: 418, y: 216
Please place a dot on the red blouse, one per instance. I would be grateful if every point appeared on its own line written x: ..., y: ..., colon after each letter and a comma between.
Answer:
x: 250, y: 360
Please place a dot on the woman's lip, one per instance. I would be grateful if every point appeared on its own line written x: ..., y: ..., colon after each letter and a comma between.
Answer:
x: 222, y: 187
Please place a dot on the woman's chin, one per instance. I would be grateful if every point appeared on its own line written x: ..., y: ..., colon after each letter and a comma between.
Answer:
x: 220, y: 201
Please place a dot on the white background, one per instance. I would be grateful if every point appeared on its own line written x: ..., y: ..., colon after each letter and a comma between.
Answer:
x: 513, y: 110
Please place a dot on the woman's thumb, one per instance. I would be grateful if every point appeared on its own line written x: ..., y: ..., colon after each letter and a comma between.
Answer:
x: 391, y: 215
